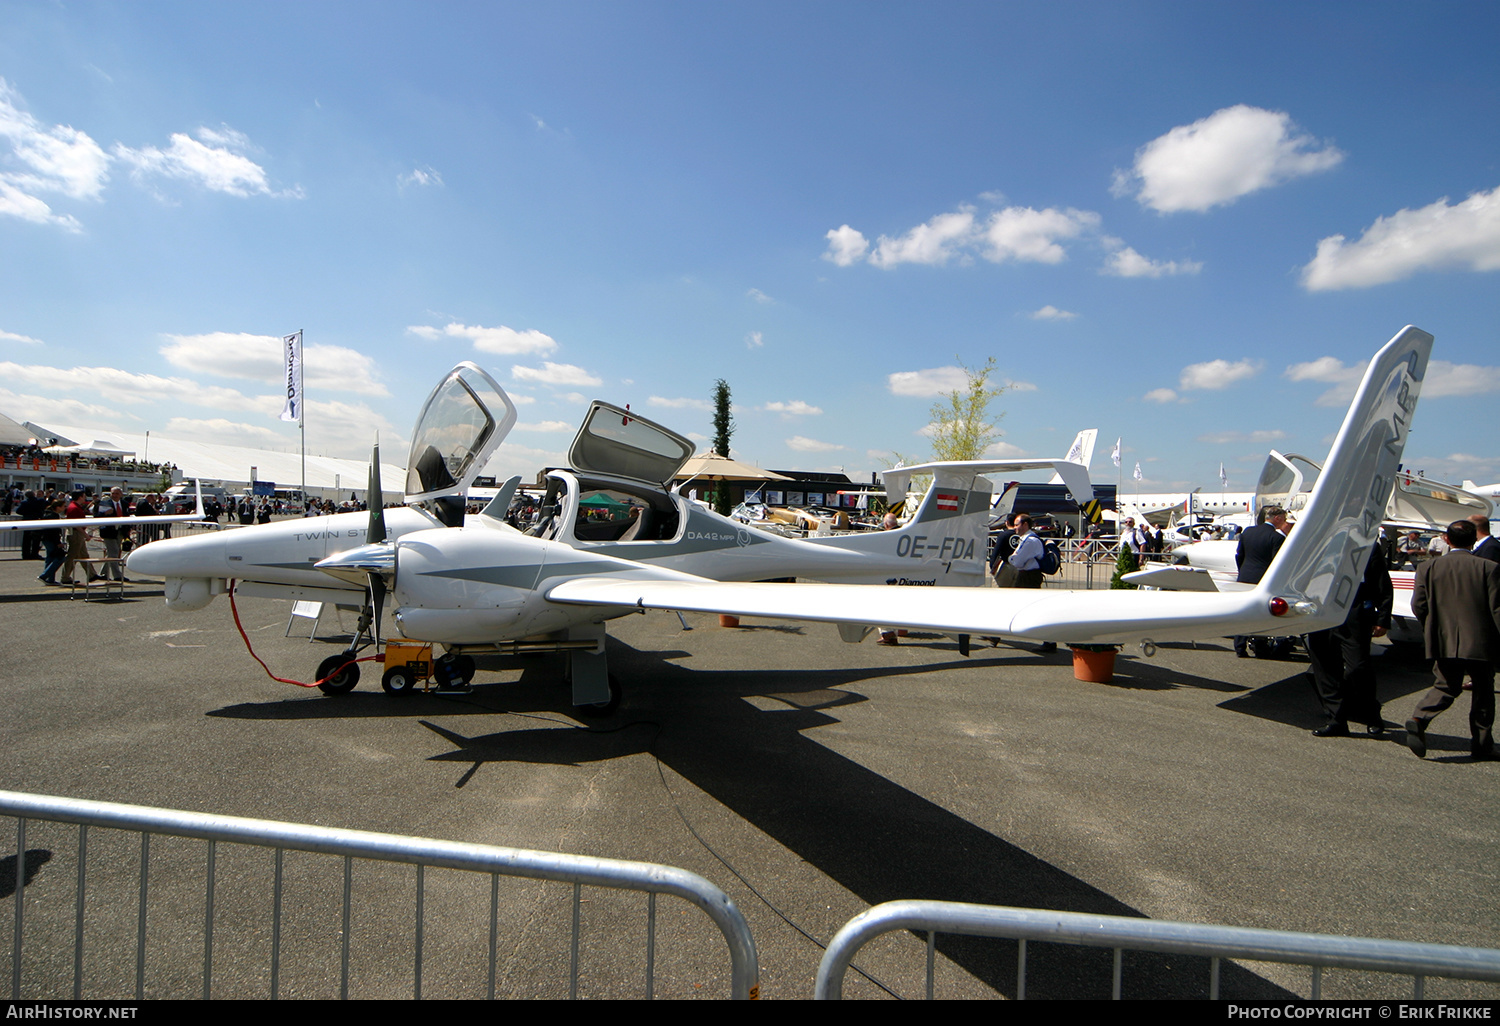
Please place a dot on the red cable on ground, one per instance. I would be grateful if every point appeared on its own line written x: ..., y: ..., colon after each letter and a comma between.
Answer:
x: 235, y: 610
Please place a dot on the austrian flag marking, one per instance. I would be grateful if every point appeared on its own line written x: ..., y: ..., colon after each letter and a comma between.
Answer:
x: 947, y: 502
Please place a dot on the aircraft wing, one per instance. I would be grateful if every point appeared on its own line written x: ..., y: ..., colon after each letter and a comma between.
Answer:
x: 42, y: 525
x: 1074, y: 475
x: 164, y: 518
x: 1077, y: 617
x: 1308, y: 587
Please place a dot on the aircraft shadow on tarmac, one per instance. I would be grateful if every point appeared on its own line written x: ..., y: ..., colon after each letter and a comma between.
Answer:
x: 873, y: 837
x: 1293, y: 702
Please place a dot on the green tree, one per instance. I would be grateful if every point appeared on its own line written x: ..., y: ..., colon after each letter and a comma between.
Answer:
x: 723, y: 422
x: 961, y: 422
x: 723, y: 428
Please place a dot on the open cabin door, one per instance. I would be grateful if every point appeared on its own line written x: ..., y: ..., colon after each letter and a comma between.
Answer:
x: 618, y: 443
x: 1286, y: 481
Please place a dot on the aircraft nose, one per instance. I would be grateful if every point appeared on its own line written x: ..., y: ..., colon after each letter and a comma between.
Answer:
x: 194, y: 556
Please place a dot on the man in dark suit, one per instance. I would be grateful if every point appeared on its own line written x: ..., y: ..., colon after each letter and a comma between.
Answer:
x: 1456, y: 598
x: 1343, y: 672
x: 1485, y: 545
x: 1257, y: 547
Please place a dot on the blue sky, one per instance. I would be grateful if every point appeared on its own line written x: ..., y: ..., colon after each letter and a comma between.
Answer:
x: 1182, y: 224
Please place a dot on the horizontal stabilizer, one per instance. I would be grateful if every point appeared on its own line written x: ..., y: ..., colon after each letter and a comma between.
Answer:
x: 1173, y: 578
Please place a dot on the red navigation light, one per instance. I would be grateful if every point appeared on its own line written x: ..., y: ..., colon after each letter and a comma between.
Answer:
x: 1279, y: 606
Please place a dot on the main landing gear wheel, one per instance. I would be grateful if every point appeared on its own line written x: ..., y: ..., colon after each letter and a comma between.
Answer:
x: 340, y: 682
x: 398, y: 680
x: 599, y: 710
x: 453, y: 673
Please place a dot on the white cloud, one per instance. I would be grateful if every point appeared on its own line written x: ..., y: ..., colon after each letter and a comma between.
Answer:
x: 46, y: 410
x: 931, y: 243
x: 1230, y: 437
x: 1004, y: 450
x: 795, y: 408
x: 1024, y: 234
x: 64, y: 160
x: 1444, y: 379
x: 1331, y: 371
x: 259, y: 358
x: 1161, y: 395
x: 929, y: 382
x: 223, y: 431
x: 754, y: 340
x: 845, y: 246
x: 1051, y: 313
x: 550, y: 373
x: 1127, y: 263
x: 1216, y: 374
x: 546, y: 426
x: 761, y: 297
x: 1021, y: 234
x: 120, y: 386
x: 801, y: 444
x: 1231, y: 153
x: 500, y: 340
x: 57, y: 159
x: 1018, y: 386
x: 420, y: 176
x: 10, y: 336
x: 680, y: 404
x: 1409, y: 241
x: 212, y: 162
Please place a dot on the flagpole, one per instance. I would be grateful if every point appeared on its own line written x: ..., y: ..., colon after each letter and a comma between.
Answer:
x: 301, y: 422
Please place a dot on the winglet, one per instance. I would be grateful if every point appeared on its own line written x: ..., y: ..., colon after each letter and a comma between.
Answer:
x: 1323, y: 560
x: 200, y: 513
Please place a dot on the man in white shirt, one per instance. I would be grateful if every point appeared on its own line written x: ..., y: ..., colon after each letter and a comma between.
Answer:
x: 1027, y: 561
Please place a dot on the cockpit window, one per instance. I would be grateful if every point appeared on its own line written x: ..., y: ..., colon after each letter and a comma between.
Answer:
x: 457, y: 430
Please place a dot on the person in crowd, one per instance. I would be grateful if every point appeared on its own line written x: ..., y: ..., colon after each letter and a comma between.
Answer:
x: 31, y: 507
x: 52, y: 542
x: 77, y: 540
x: 1343, y: 672
x: 1456, y: 599
x: 1026, y: 563
x: 113, y: 505
x: 1257, y: 547
x: 1485, y: 546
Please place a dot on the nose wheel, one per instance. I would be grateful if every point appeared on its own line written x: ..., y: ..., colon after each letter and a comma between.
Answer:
x: 342, y: 681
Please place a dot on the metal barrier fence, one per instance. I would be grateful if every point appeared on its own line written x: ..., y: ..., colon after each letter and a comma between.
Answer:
x: 1319, y: 951
x: 351, y: 844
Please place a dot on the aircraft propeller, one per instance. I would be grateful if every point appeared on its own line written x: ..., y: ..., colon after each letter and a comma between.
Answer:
x: 375, y: 535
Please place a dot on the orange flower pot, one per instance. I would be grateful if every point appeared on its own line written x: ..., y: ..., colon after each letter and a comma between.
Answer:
x: 725, y: 620
x: 1094, y: 667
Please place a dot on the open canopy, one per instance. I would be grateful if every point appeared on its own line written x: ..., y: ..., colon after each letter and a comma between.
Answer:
x: 463, y: 421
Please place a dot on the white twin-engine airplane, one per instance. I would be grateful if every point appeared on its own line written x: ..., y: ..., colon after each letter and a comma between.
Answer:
x: 485, y: 587
x: 473, y: 584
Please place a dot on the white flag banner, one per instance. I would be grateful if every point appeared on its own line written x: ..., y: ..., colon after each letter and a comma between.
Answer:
x: 1115, y: 454
x: 1223, y: 477
x: 291, y: 351
x: 1137, y: 474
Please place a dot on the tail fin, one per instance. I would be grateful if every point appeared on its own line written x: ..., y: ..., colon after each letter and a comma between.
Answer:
x: 1323, y: 560
x: 953, y: 493
x: 1080, y: 452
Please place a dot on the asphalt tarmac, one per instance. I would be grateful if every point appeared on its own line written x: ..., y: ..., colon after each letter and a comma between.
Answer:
x: 807, y: 777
